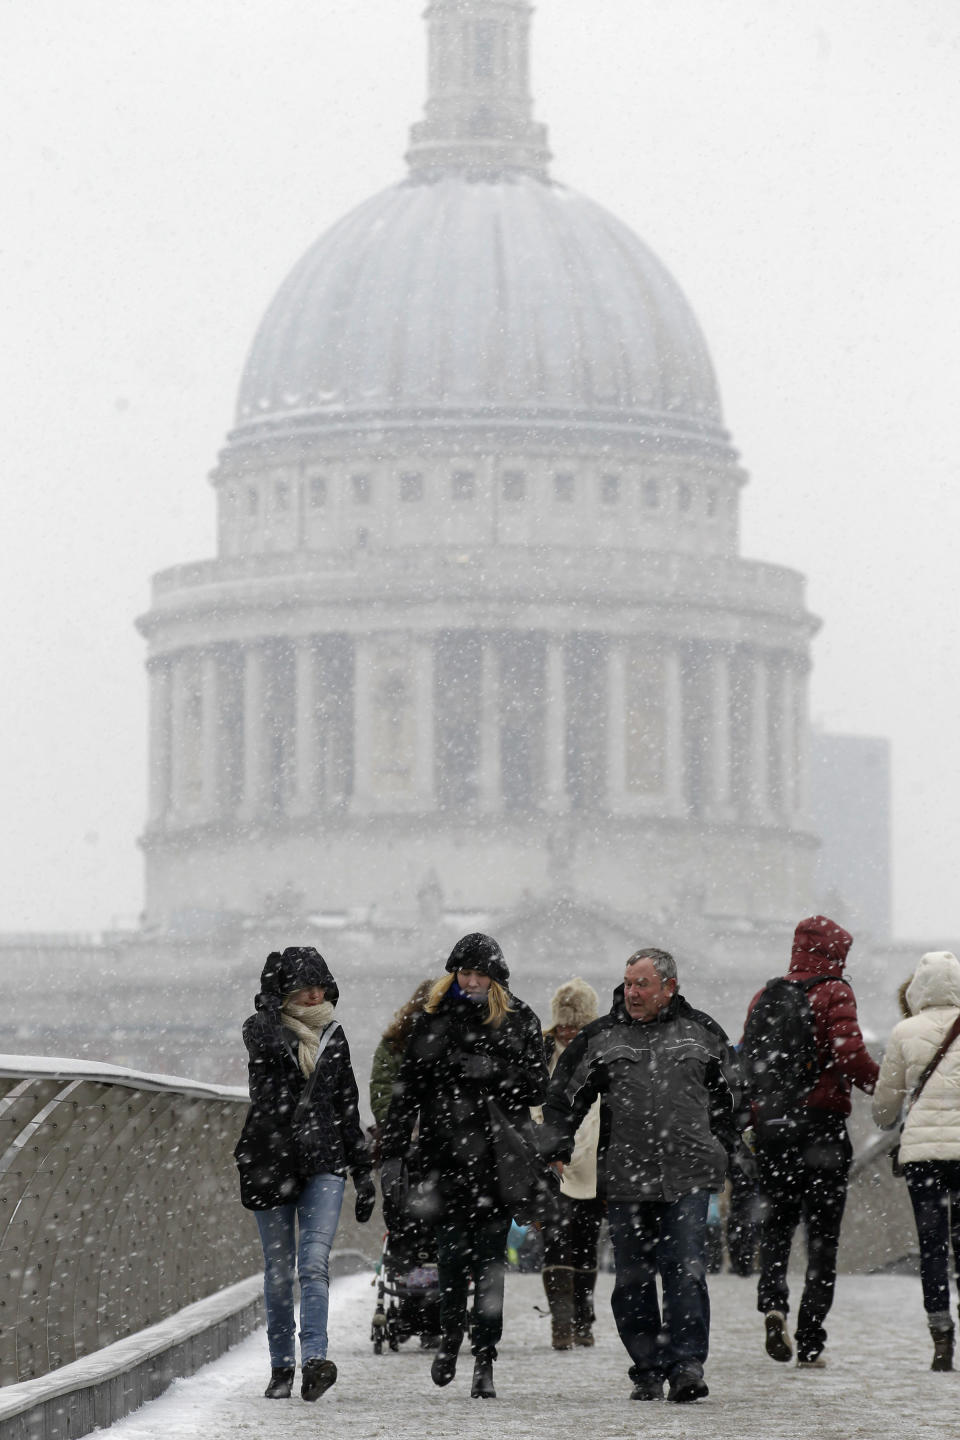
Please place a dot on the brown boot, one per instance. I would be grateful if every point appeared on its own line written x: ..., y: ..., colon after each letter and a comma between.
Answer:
x: 558, y: 1283
x: 583, y: 1313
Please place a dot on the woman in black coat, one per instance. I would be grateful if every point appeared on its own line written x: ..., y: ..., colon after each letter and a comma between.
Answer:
x: 301, y: 1136
x: 474, y: 1040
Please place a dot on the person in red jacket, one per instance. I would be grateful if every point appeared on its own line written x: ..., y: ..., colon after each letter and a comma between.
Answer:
x: 805, y: 1175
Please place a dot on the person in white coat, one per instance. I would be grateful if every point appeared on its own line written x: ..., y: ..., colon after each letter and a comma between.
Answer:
x: 930, y: 1141
x: 570, y: 1238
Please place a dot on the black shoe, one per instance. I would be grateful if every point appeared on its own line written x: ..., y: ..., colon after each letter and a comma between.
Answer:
x: 482, y: 1387
x: 686, y: 1386
x: 778, y: 1341
x: 648, y: 1387
x: 281, y: 1383
x: 318, y: 1376
x: 444, y: 1367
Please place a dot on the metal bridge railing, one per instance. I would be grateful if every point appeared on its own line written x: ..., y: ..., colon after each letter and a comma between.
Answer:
x: 118, y: 1206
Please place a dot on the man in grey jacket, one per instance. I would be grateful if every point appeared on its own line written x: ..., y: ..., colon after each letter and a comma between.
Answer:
x: 667, y: 1081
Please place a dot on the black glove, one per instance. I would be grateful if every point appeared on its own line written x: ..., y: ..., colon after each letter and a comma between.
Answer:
x: 393, y: 1182
x: 366, y: 1196
x: 480, y: 1067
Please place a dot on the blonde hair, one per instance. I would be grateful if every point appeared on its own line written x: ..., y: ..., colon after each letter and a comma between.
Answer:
x: 498, y: 1000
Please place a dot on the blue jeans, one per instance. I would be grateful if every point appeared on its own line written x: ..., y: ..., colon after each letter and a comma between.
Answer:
x: 317, y: 1211
x: 653, y: 1237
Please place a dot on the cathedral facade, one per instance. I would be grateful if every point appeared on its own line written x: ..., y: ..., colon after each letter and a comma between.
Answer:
x: 478, y: 632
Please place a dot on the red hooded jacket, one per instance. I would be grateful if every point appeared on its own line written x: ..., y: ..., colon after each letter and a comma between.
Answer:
x: 820, y: 947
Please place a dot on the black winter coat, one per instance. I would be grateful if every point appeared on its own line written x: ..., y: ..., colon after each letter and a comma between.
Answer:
x: 452, y: 1062
x: 274, y: 1154
x: 668, y: 1088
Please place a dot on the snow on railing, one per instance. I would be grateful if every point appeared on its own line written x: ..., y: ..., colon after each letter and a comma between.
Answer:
x: 118, y: 1205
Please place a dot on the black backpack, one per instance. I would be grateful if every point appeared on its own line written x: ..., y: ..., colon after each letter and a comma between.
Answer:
x: 779, y: 1056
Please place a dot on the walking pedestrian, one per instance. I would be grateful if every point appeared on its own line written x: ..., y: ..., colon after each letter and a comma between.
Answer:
x: 802, y: 1170
x: 920, y: 1083
x: 301, y: 1136
x: 570, y: 1236
x: 666, y: 1078
x: 475, y: 1041
x: 389, y: 1052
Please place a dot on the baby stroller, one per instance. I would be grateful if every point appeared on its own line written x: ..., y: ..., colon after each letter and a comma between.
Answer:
x: 408, y: 1290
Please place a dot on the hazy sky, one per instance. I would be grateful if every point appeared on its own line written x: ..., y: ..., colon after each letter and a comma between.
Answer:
x: 793, y: 162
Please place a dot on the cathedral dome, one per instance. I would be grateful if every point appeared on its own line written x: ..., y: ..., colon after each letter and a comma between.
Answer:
x: 502, y: 296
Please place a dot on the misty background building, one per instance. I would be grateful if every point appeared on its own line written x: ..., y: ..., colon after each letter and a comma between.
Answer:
x: 478, y: 648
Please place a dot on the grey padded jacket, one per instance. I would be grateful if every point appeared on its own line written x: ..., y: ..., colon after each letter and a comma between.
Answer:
x: 669, y: 1091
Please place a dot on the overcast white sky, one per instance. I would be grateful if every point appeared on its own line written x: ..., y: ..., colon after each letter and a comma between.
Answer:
x: 794, y: 163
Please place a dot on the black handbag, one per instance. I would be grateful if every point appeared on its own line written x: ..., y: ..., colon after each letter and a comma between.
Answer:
x: 526, y: 1184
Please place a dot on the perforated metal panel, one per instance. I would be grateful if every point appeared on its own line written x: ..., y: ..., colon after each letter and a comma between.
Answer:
x: 118, y: 1207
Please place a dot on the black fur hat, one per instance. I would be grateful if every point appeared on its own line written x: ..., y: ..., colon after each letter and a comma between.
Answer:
x: 481, y: 953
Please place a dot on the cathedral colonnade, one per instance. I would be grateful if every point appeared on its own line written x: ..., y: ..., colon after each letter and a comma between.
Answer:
x: 476, y: 722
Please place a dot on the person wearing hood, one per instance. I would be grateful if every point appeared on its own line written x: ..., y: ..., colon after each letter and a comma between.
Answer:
x: 474, y: 1041
x: 570, y: 1236
x: 930, y: 1139
x: 804, y: 1175
x: 301, y: 1136
x: 667, y: 1080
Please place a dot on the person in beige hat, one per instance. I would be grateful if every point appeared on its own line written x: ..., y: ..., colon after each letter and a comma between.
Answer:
x: 570, y: 1239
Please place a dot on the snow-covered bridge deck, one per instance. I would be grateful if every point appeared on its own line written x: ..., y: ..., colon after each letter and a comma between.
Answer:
x: 878, y: 1382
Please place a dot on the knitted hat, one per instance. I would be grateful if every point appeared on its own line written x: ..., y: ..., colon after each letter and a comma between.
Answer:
x: 481, y: 953
x: 575, y: 1003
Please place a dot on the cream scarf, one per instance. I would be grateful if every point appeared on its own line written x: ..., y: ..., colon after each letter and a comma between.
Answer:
x: 308, y: 1023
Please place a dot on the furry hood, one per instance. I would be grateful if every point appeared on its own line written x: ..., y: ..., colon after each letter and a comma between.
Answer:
x: 936, y: 982
x: 574, y: 1003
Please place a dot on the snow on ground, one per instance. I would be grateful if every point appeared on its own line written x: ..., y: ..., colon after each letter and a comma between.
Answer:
x: 878, y: 1383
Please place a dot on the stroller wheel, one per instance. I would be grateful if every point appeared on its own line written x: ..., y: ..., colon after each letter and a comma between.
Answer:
x: 378, y: 1344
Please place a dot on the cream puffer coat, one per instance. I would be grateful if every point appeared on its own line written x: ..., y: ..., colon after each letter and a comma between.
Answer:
x: 932, y: 1127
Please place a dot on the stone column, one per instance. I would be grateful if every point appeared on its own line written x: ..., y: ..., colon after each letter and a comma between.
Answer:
x: 160, y: 798
x: 304, y: 798
x: 719, y: 780
x: 673, y: 708
x: 363, y: 658
x: 253, y: 801
x: 759, y: 768
x: 211, y: 749
x: 424, y: 768
x: 787, y: 742
x: 555, y: 797
x: 801, y: 808
x: 178, y: 736
x: 616, y: 723
x: 489, y: 797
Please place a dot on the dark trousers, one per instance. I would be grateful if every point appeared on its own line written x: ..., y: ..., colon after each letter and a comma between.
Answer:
x: 570, y: 1238
x: 742, y: 1216
x: 472, y: 1250
x: 803, y: 1179
x: 934, y: 1187
x: 649, y: 1238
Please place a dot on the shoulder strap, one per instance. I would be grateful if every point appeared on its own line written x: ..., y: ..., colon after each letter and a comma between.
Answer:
x: 308, y: 1089
x: 820, y: 980
x: 945, y: 1044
